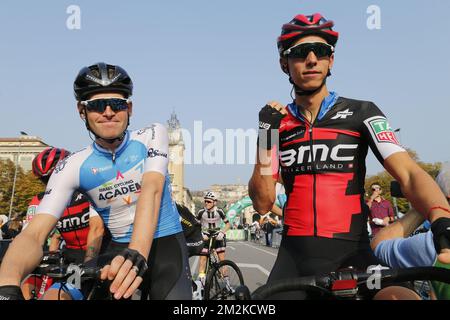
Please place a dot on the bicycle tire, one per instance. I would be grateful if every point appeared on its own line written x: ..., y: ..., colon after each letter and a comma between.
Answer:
x: 213, y: 282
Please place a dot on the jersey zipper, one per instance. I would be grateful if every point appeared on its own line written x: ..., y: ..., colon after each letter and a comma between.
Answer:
x: 311, y: 144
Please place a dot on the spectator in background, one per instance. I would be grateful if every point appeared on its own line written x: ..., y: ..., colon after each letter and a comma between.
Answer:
x: 3, y: 221
x: 12, y: 229
x: 246, y: 231
x: 254, y: 231
x: 268, y: 223
x: 381, y: 211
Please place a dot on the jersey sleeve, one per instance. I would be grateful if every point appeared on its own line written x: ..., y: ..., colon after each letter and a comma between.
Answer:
x: 60, y: 188
x: 157, y: 149
x: 92, y: 212
x: 415, y: 251
x: 199, y: 215
x: 222, y: 215
x: 378, y: 133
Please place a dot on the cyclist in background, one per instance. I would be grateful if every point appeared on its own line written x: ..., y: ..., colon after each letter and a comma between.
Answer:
x: 80, y: 227
x: 210, y: 217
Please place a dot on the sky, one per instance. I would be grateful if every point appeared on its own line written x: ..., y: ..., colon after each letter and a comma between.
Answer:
x: 217, y: 62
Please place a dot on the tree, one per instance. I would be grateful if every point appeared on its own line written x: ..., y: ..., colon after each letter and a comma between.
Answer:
x: 27, y: 185
x: 384, y: 180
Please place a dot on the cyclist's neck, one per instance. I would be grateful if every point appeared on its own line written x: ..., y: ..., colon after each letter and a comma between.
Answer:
x: 309, y: 105
x: 108, y: 146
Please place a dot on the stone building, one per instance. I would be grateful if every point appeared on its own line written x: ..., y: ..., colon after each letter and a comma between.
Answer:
x: 22, y: 149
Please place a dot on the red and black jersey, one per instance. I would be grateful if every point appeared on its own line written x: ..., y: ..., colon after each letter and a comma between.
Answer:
x: 73, y: 224
x: 323, y: 166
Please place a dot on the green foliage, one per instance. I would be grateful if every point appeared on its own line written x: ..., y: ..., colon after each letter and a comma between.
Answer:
x: 27, y: 185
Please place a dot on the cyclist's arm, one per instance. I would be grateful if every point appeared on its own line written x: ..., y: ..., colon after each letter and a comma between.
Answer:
x: 400, y: 229
x: 417, y: 186
x: 95, y: 236
x: 225, y: 220
x: 261, y: 186
x: 415, y: 183
x: 25, y: 252
x: 147, y: 212
x: 55, y: 241
x: 146, y: 216
x: 16, y: 265
x: 277, y: 210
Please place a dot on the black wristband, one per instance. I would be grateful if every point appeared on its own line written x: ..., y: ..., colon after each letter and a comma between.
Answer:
x: 11, y: 293
x: 441, y: 234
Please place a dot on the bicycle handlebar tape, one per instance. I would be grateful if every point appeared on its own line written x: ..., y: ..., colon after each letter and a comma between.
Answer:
x: 138, y: 260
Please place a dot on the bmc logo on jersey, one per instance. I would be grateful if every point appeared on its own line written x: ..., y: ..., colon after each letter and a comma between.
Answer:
x: 303, y: 154
x: 381, y: 130
x: 73, y: 222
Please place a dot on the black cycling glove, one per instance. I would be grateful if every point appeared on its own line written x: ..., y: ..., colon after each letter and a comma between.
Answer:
x: 138, y: 260
x: 11, y: 293
x: 269, y: 123
x: 441, y: 234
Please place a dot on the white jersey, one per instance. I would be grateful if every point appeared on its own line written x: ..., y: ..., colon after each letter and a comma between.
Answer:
x: 112, y: 181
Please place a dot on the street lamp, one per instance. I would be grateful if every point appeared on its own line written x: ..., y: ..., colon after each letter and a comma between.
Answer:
x: 399, y: 136
x: 15, y: 173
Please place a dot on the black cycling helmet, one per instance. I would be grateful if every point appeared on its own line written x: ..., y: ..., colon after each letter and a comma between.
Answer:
x: 102, y: 77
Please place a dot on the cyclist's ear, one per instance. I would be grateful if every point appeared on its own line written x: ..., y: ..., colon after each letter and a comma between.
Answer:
x: 130, y: 108
x: 81, y: 111
x: 284, y: 65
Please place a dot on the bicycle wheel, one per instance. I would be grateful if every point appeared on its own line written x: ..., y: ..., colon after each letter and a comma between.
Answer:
x: 223, y: 280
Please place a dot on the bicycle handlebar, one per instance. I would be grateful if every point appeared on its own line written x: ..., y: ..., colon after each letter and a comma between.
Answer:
x: 349, y: 282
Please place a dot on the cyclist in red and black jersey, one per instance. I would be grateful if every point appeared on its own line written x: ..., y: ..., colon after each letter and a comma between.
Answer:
x: 80, y: 226
x: 322, y: 141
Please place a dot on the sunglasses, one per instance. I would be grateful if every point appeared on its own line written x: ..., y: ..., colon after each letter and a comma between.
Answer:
x: 208, y: 201
x: 99, y: 105
x: 302, y: 50
x: 375, y: 189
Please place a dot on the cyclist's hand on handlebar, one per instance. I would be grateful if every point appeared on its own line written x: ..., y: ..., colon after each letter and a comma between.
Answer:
x: 126, y: 270
x: 205, y: 237
x: 441, y: 237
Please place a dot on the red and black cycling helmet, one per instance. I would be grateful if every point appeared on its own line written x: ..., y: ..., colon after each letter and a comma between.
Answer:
x: 102, y: 77
x: 302, y: 26
x: 44, y: 163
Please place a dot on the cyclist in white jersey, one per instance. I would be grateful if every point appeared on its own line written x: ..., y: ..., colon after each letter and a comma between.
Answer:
x: 210, y: 218
x: 120, y: 167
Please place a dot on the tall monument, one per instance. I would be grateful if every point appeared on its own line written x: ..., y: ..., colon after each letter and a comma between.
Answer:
x: 176, y: 158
